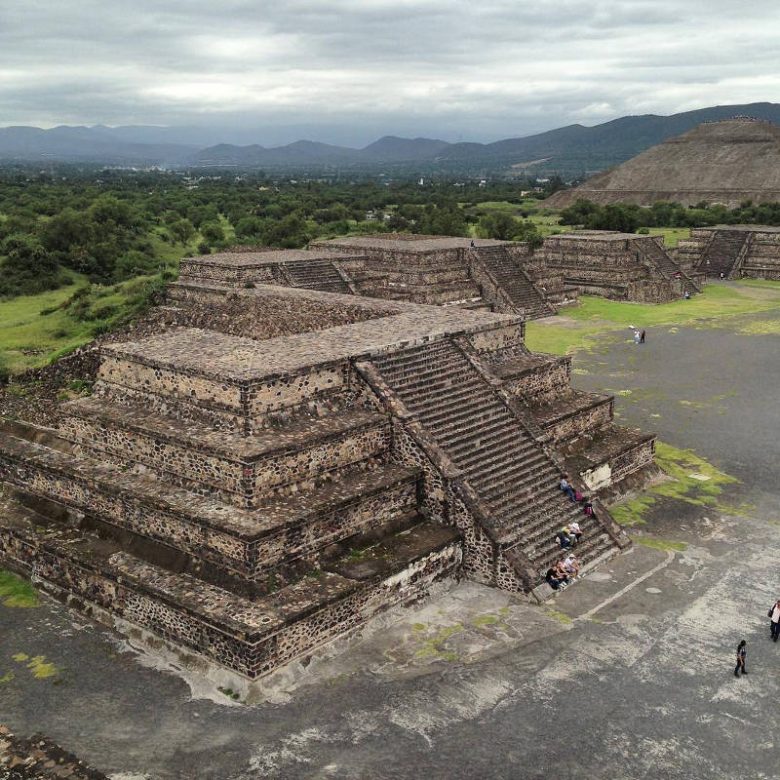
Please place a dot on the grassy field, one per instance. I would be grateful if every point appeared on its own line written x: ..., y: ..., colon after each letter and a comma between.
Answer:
x: 671, y: 235
x: 36, y: 329
x: 581, y: 326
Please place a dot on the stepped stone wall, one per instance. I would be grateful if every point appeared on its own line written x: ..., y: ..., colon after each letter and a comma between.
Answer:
x: 751, y: 251
x: 622, y: 266
x: 433, y: 270
x: 248, y: 492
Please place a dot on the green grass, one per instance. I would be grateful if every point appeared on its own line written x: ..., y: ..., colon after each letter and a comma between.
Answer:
x: 681, y: 466
x: 580, y: 327
x: 660, y: 544
x: 671, y: 235
x: 37, y: 329
x: 16, y: 592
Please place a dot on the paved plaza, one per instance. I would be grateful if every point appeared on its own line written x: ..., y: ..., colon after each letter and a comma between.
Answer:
x: 628, y: 674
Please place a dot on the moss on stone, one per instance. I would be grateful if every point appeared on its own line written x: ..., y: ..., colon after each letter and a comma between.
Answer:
x: 692, y: 480
x: 660, y: 544
x: 16, y: 592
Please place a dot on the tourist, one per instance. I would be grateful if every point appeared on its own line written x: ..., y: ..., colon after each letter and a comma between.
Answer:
x: 553, y: 580
x: 561, y: 573
x: 564, y: 540
x: 741, y: 656
x: 722, y: 275
x: 566, y: 487
x: 774, y: 618
x: 472, y: 243
x: 687, y: 295
x: 637, y: 337
x: 575, y: 530
x: 571, y: 566
x: 587, y: 506
x: 642, y: 337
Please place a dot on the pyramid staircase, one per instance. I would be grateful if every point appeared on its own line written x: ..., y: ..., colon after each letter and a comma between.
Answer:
x: 318, y: 274
x: 510, y: 471
x: 514, y: 281
x: 660, y: 259
x: 723, y: 251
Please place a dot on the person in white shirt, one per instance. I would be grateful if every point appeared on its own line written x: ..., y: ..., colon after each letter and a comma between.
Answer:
x: 572, y: 566
x: 575, y: 530
x: 774, y: 616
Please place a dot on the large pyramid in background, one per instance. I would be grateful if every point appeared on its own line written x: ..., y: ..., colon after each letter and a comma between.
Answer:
x: 719, y: 162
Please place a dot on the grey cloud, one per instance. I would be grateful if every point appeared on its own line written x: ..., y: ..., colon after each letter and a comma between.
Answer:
x: 354, y: 67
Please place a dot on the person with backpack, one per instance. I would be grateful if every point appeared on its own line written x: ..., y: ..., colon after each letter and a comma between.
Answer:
x: 774, y: 620
x: 741, y: 658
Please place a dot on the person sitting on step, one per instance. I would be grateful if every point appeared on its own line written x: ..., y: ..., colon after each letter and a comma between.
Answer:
x: 575, y: 531
x: 561, y: 573
x: 553, y: 580
x: 571, y: 566
x: 564, y: 540
x: 566, y: 487
x: 587, y: 506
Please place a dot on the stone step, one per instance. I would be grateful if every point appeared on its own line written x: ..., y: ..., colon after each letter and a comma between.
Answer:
x: 241, y: 469
x: 486, y: 457
x: 514, y: 474
x: 546, y: 500
x: 541, y: 532
x: 447, y: 411
x: 394, y: 552
x: 455, y: 394
x: 585, y: 551
x: 241, y: 541
x: 251, y: 637
x: 460, y: 430
x: 525, y: 494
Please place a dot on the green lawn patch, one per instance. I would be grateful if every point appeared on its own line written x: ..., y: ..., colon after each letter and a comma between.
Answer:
x: 691, y: 479
x: 660, y: 544
x: 671, y: 235
x: 16, y: 592
x: 580, y: 327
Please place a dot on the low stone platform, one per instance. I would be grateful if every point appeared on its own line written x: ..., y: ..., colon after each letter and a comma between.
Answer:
x: 733, y: 251
x: 623, y: 266
x: 248, y: 497
x: 439, y: 270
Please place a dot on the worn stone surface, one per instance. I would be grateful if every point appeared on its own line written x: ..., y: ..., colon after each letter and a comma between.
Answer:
x: 247, y: 493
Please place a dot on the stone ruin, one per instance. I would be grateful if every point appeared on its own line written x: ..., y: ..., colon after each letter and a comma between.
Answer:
x: 621, y: 266
x: 491, y: 275
x: 249, y: 488
x: 734, y: 251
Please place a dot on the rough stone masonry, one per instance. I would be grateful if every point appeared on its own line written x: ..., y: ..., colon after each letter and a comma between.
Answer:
x: 247, y: 489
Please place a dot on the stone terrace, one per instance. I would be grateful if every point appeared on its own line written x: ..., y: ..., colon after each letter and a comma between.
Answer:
x: 247, y: 498
x: 623, y: 266
x: 733, y: 250
x: 488, y: 275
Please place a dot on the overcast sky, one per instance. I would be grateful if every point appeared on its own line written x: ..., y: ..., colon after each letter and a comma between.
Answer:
x: 348, y: 71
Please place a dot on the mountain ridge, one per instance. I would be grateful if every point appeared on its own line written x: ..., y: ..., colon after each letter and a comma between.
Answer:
x: 571, y: 150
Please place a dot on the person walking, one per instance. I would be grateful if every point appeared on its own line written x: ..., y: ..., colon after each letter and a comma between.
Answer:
x: 642, y: 337
x: 774, y: 618
x: 741, y: 657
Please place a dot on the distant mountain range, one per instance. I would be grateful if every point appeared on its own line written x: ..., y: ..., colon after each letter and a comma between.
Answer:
x: 569, y: 151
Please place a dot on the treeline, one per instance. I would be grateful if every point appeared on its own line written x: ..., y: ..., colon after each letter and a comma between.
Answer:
x: 110, y: 226
x: 630, y: 218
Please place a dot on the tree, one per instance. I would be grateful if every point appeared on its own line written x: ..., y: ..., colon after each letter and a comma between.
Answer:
x: 499, y: 225
x: 182, y: 230
x: 212, y: 232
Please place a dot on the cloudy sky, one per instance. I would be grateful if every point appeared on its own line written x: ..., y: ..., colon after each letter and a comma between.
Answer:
x: 348, y: 71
